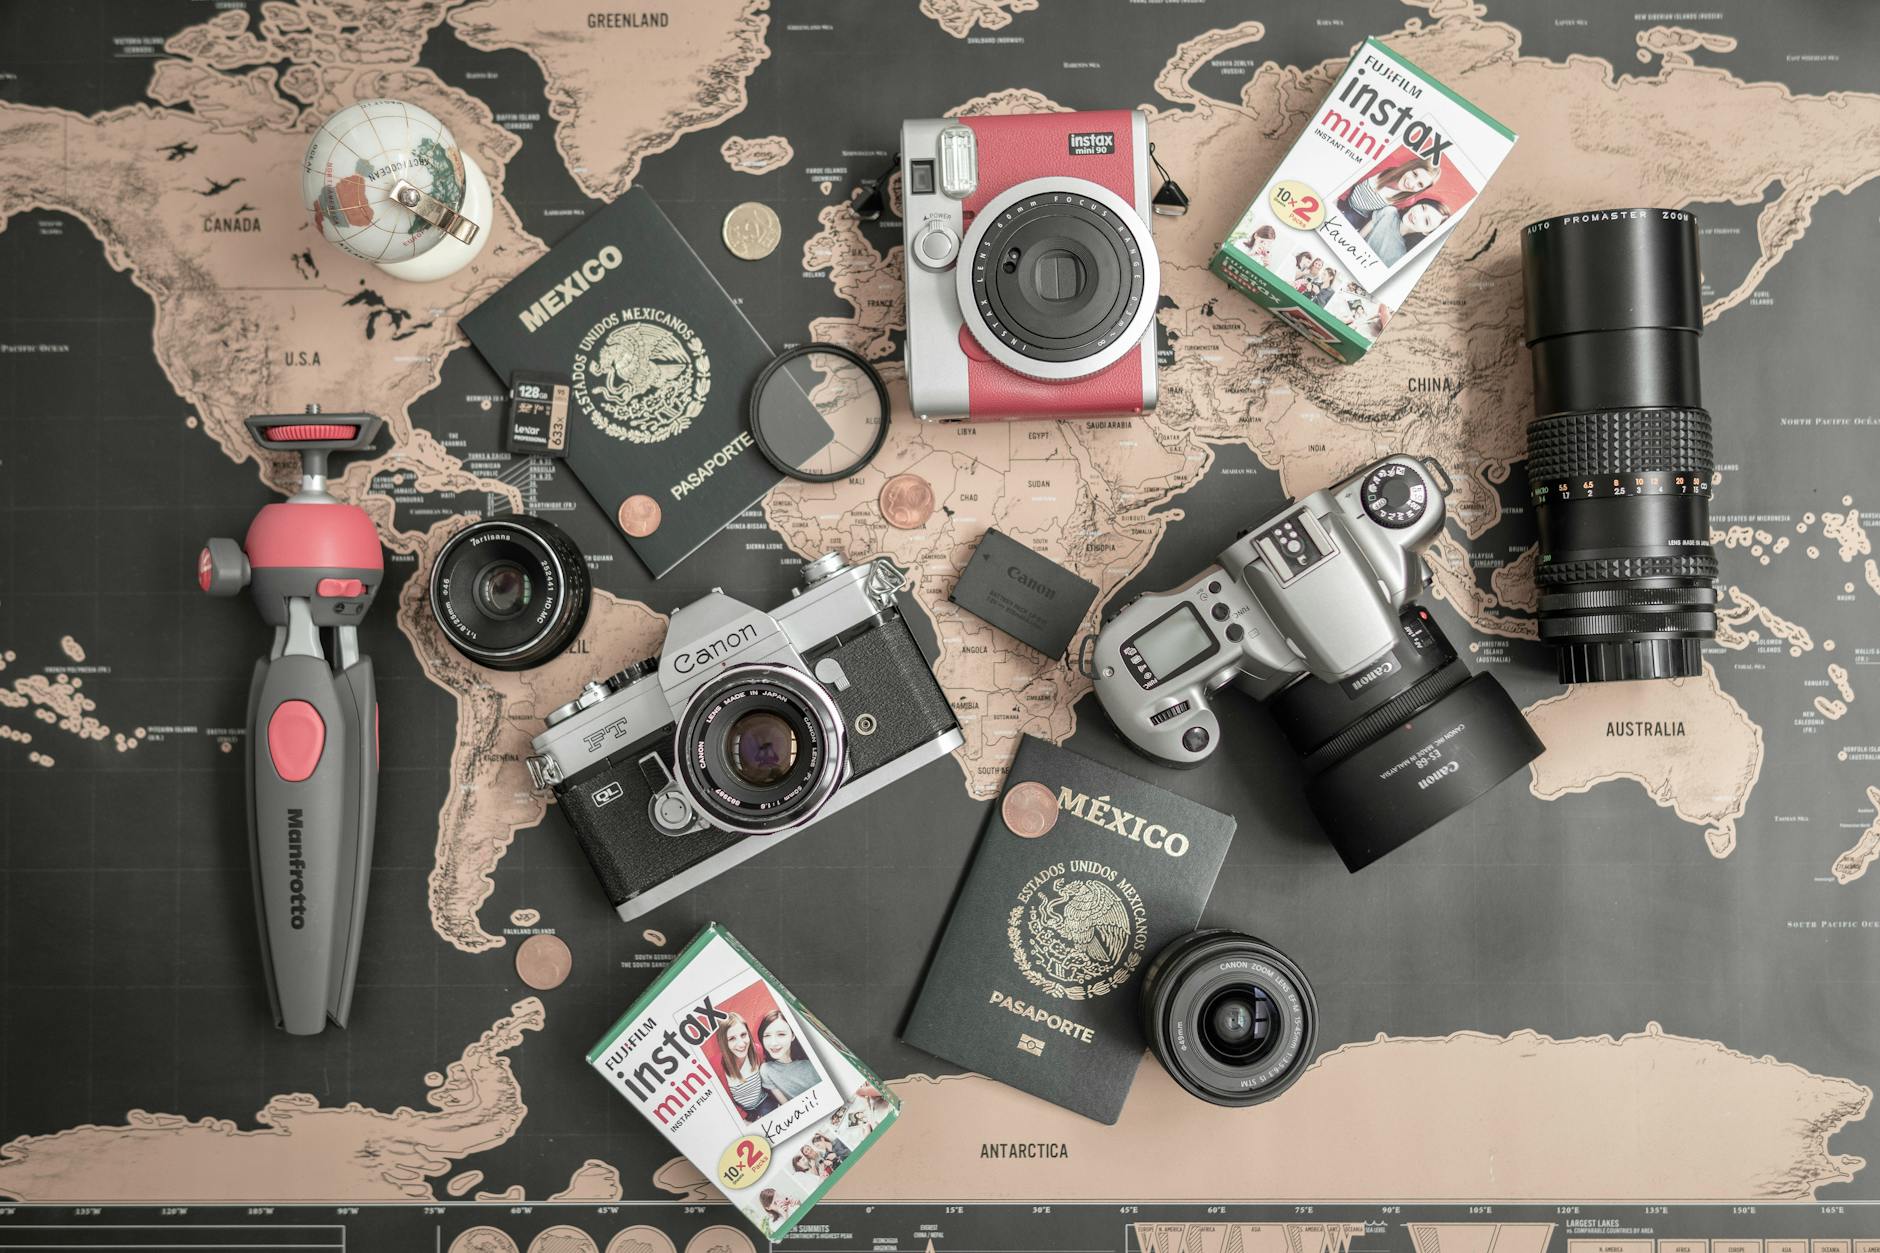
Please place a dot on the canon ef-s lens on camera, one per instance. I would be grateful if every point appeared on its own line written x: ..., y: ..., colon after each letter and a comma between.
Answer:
x: 1619, y: 455
x: 1393, y: 750
x: 511, y: 592
x: 1231, y: 1018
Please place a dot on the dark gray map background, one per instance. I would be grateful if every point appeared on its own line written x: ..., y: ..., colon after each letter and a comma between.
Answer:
x: 127, y: 970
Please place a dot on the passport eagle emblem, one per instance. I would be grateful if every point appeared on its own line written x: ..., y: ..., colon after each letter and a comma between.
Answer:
x: 641, y: 375
x: 1079, y: 930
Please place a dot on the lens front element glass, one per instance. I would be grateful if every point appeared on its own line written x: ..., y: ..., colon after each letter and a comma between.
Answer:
x: 504, y: 590
x: 762, y: 748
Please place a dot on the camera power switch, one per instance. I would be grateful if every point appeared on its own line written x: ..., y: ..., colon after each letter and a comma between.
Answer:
x: 936, y: 246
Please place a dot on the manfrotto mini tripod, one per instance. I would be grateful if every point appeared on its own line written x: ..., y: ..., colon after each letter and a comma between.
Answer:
x: 312, y: 564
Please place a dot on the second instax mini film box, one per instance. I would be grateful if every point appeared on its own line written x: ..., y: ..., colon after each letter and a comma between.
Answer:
x: 746, y: 1082
x: 1388, y: 164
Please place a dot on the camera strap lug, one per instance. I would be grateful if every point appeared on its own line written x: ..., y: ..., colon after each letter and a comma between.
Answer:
x: 885, y: 581
x: 1438, y: 473
x: 1169, y: 201
x: 1081, y: 660
x: 544, y: 772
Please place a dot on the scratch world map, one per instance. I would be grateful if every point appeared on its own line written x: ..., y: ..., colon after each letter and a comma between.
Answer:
x: 1646, y: 969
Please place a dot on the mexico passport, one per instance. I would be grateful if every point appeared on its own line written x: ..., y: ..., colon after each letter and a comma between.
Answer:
x: 658, y: 362
x: 1083, y: 875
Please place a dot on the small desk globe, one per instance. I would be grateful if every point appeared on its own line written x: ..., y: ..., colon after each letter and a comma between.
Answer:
x: 353, y: 163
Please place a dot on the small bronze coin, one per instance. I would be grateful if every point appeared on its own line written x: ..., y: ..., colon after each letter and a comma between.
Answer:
x: 752, y: 231
x: 1029, y: 810
x: 906, y: 501
x: 543, y: 961
x: 638, y: 516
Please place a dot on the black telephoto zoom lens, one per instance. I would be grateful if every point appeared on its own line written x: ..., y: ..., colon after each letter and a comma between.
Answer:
x: 1619, y: 454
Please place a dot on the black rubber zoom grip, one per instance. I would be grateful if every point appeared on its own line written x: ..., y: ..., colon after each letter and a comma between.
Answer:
x: 1691, y: 565
x: 1571, y: 446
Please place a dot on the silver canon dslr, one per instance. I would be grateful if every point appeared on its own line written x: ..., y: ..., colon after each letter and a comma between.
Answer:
x: 748, y: 724
x: 1312, y: 608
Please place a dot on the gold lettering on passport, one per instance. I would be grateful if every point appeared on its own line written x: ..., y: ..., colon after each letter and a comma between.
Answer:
x: 1119, y: 820
x: 1079, y: 929
x: 641, y: 375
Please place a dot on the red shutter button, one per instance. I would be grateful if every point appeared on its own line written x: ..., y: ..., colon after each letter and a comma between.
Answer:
x: 296, y: 737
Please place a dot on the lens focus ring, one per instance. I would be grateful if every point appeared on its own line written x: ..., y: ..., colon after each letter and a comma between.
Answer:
x: 1623, y: 441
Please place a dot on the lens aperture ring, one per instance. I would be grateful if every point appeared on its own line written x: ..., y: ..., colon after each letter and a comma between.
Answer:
x: 1393, y: 713
x: 1579, y: 446
x: 1603, y: 625
x: 1624, y: 598
x: 1700, y: 564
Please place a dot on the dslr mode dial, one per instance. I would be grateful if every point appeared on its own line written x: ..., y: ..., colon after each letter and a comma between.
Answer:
x: 1394, y: 495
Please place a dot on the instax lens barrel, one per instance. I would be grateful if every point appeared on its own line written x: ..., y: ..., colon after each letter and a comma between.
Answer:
x: 1619, y: 454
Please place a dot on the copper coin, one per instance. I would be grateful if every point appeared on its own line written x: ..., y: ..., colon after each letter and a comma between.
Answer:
x: 543, y: 961
x: 1029, y: 810
x: 906, y: 501
x: 639, y: 516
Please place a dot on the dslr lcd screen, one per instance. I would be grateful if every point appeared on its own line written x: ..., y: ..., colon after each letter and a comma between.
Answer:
x: 1173, y: 644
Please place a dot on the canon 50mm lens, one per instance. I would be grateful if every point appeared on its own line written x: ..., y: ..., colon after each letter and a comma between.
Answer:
x: 1619, y: 454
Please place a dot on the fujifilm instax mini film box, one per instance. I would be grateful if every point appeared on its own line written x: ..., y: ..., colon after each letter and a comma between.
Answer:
x: 1360, y: 206
x: 749, y: 1085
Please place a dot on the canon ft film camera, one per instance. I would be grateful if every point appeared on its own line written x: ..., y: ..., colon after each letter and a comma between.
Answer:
x: 747, y: 724
x: 1031, y: 277
x: 1312, y: 608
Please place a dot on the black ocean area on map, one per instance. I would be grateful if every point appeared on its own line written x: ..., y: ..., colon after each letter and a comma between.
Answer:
x: 1588, y: 914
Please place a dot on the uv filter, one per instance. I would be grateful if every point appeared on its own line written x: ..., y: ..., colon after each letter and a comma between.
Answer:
x: 819, y: 413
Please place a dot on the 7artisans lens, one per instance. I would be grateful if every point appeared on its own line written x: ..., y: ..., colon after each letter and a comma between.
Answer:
x: 1231, y: 1018
x: 510, y: 593
x: 1619, y: 456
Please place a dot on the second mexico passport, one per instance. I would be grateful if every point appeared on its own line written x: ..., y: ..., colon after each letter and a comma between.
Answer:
x: 1084, y: 874
x: 658, y: 363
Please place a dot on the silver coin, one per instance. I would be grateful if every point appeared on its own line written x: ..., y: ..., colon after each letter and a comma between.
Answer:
x: 752, y: 231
